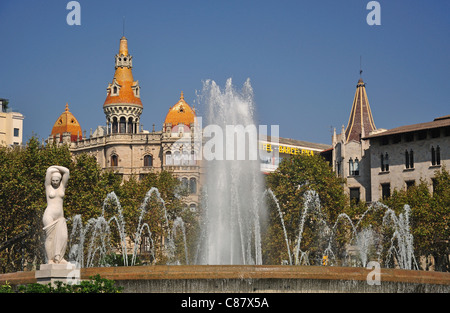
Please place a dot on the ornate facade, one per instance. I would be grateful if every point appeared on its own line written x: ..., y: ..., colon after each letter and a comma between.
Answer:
x: 123, y: 146
x: 350, y: 157
x: 375, y: 162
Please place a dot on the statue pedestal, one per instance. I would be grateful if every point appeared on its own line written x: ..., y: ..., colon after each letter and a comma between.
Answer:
x: 50, y: 273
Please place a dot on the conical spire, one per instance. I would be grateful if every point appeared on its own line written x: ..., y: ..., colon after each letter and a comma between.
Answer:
x: 361, y: 121
x: 123, y: 88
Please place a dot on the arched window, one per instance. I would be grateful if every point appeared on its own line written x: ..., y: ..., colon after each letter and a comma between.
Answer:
x: 130, y: 125
x: 115, y: 127
x: 435, y: 156
x: 193, y: 185
x: 185, y: 183
x: 169, y: 160
x: 406, y: 159
x: 356, y: 167
x: 114, y: 160
x: 123, y: 124
x: 148, y: 160
x: 177, y: 158
x: 185, y: 158
x: 115, y: 90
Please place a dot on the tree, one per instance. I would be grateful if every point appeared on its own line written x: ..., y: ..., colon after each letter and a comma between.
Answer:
x: 132, y: 194
x: 430, y: 217
x: 23, y: 199
x: 289, y: 183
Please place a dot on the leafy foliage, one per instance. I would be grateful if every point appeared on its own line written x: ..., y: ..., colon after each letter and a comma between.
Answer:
x: 289, y: 182
x: 430, y: 217
x: 23, y: 200
x: 96, y: 284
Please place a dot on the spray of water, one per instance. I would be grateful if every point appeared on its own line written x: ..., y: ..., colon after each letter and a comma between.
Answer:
x: 234, y: 207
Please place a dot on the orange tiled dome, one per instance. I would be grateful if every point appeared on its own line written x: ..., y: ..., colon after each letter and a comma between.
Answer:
x: 123, y: 79
x: 67, y: 122
x: 180, y: 113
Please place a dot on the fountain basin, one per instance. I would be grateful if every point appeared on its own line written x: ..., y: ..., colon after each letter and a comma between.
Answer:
x: 256, y: 278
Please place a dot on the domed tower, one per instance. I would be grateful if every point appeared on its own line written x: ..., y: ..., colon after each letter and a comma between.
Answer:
x: 123, y: 106
x: 66, y: 125
x: 180, y: 118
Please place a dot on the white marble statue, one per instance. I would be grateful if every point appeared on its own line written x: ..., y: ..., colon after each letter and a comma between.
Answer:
x: 54, y: 222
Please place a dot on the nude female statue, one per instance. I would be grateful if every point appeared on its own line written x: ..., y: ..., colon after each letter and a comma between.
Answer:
x: 54, y: 222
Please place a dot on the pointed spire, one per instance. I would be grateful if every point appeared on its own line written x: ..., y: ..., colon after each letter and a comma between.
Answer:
x: 182, y: 96
x: 123, y: 49
x: 360, y: 122
x: 67, y: 107
x: 123, y: 89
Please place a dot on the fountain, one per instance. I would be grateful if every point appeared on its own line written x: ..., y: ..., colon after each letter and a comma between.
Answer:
x: 228, y: 257
x: 234, y: 206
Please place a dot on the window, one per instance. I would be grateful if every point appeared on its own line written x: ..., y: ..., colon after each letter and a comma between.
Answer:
x: 435, y: 155
x: 386, y: 190
x: 386, y: 162
x: 354, y: 195
x: 122, y: 125
x: 115, y: 126
x: 16, y: 132
x: 177, y: 158
x: 114, y: 160
x: 350, y: 167
x: 434, y: 183
x: 409, y: 159
x: 148, y: 160
x: 410, y: 183
x: 356, y: 167
x: 193, y: 186
x: 406, y: 159
x: 130, y: 125
x: 184, y: 183
x: 169, y: 160
x: 114, y: 90
x: 382, y: 163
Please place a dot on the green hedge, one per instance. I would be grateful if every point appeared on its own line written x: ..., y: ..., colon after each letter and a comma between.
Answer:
x: 96, y: 284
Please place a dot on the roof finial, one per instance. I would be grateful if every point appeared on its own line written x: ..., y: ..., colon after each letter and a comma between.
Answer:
x: 67, y: 107
x: 182, y: 96
x: 123, y: 26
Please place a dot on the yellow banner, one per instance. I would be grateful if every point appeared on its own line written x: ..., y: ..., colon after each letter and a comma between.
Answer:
x: 285, y: 149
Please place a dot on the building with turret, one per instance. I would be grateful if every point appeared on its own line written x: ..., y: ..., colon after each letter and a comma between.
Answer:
x: 123, y: 145
x: 375, y: 162
x: 350, y: 158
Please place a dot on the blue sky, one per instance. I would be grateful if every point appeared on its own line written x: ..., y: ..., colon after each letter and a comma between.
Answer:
x: 302, y: 57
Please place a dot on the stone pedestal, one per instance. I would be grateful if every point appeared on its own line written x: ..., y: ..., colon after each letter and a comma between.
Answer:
x: 50, y: 273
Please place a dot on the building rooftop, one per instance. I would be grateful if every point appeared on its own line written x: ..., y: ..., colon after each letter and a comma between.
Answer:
x: 438, y: 122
